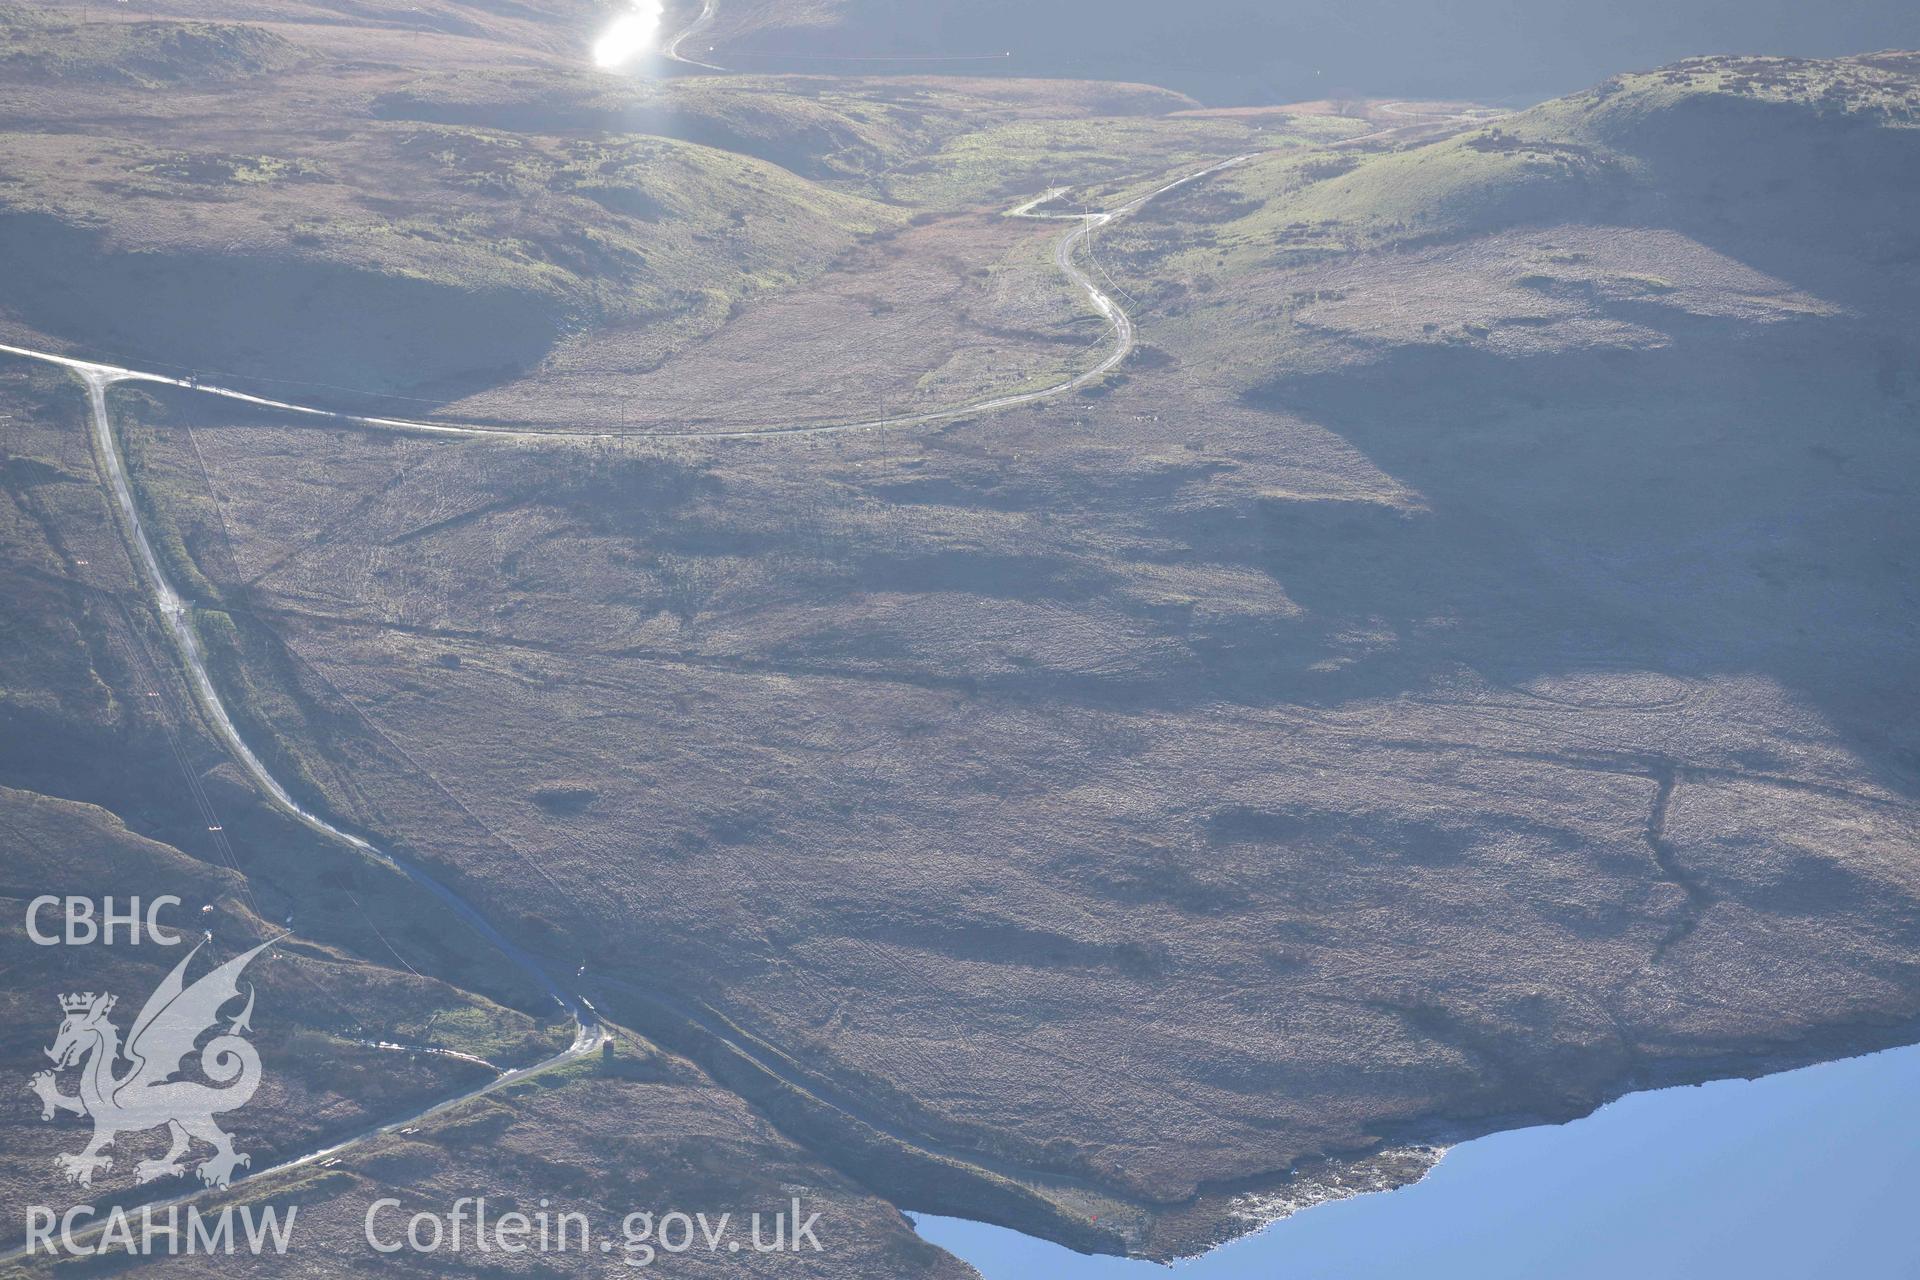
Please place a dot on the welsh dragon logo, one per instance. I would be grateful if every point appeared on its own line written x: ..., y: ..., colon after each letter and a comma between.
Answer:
x: 146, y: 1095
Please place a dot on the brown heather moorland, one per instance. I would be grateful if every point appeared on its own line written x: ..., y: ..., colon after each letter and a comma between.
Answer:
x: 1458, y: 670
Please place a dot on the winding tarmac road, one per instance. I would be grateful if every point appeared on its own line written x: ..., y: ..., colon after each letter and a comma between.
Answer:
x: 1064, y: 254
x: 589, y: 1032
x: 176, y: 614
x: 177, y: 617
x: 672, y: 47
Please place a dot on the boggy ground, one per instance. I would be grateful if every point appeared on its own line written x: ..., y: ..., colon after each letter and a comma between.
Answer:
x: 1434, y: 726
x: 858, y: 336
x: 359, y: 1010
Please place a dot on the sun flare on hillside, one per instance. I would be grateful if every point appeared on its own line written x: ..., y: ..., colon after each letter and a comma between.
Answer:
x: 629, y: 36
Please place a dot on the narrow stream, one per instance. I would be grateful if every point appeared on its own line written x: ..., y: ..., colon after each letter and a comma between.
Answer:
x: 1774, y: 1179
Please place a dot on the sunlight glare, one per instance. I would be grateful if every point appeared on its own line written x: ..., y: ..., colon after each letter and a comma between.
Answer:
x: 629, y: 36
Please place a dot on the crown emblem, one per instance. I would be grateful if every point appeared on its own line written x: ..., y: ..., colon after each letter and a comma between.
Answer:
x: 82, y: 1003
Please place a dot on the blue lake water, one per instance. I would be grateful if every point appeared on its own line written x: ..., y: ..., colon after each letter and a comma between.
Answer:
x: 1805, y: 1174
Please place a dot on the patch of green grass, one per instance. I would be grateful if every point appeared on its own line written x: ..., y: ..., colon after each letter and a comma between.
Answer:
x: 497, y: 243
x: 635, y: 227
x: 1479, y: 181
x: 488, y: 1031
x: 1572, y: 158
x: 1105, y: 161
